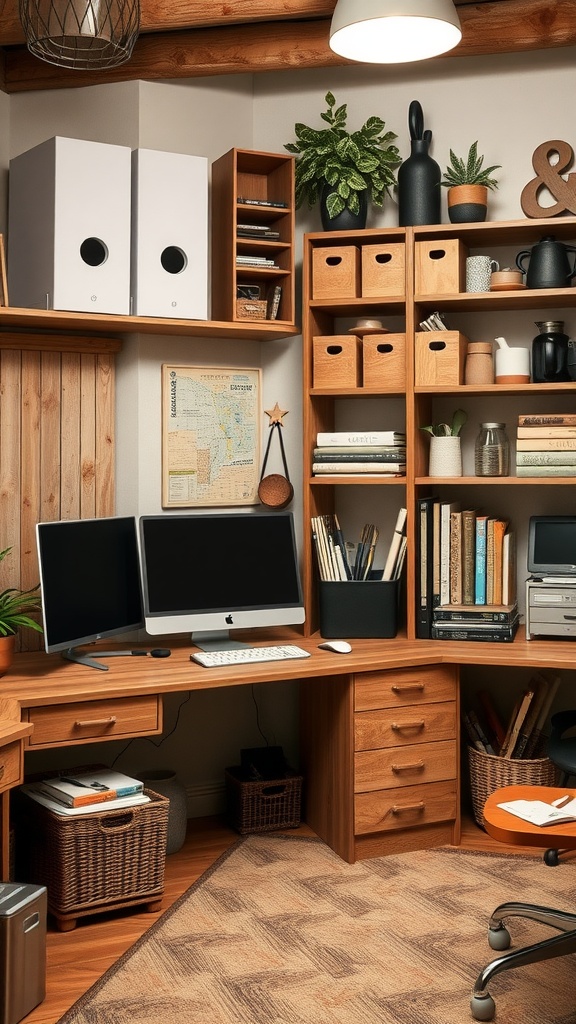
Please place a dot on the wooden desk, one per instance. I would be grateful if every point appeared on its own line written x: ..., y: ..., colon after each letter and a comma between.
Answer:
x: 506, y: 828
x: 343, y: 719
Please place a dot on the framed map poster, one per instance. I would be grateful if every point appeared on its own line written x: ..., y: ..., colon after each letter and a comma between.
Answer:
x: 211, y: 428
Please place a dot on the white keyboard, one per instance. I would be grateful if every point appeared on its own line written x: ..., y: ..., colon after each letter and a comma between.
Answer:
x: 248, y: 655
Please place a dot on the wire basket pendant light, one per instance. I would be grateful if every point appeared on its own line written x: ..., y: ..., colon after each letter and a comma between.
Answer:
x: 84, y: 34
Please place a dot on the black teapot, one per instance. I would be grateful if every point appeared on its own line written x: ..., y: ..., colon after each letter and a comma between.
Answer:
x: 549, y: 265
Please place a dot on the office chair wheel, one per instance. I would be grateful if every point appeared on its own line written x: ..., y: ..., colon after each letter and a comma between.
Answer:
x: 482, y: 1007
x: 499, y: 939
x: 552, y: 858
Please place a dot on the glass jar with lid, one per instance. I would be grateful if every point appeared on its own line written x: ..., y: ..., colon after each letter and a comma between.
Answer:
x: 492, y: 450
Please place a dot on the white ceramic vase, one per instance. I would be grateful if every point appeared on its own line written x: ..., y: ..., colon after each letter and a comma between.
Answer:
x: 445, y: 456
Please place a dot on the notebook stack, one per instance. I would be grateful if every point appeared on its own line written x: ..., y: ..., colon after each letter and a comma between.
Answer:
x: 546, y: 445
x: 350, y: 452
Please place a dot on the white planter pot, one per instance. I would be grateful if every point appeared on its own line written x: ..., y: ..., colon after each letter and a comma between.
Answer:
x: 445, y: 456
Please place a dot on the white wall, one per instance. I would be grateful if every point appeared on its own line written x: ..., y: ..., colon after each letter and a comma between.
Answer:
x: 509, y: 103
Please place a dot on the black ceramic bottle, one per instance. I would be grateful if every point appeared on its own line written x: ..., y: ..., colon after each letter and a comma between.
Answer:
x: 418, y: 176
x: 550, y: 353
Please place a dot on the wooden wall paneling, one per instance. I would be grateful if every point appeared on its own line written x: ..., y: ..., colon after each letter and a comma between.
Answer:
x: 30, y: 484
x: 50, y: 437
x: 87, y: 476
x: 105, y: 435
x: 70, y: 436
x: 10, y: 439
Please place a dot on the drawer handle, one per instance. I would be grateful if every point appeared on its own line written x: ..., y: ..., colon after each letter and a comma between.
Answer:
x: 401, y: 687
x: 399, y: 809
x: 90, y: 723
x: 416, y: 766
x: 2, y: 770
x: 400, y: 726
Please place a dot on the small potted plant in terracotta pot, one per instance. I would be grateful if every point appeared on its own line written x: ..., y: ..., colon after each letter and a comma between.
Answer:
x: 468, y: 183
x: 14, y: 608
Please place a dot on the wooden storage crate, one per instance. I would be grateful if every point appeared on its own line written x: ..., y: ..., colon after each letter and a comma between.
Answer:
x: 264, y: 805
x: 336, y: 272
x: 440, y: 358
x: 97, y: 861
x: 336, y: 361
x: 489, y: 773
x: 440, y: 267
x: 383, y: 269
x: 384, y: 361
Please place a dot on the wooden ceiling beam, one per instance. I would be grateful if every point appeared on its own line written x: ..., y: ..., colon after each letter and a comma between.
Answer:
x: 493, y: 27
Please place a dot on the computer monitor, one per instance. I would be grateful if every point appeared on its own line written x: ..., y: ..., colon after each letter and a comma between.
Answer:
x: 552, y: 545
x: 207, y: 573
x: 90, y: 583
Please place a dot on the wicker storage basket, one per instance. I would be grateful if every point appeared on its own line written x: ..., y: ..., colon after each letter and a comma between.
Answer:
x: 489, y: 773
x: 262, y: 806
x: 97, y: 861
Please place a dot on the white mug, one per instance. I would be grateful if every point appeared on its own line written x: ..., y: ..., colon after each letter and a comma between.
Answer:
x: 478, y: 272
x: 512, y: 366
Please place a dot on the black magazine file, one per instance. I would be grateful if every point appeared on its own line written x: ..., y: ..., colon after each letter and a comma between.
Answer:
x: 359, y: 609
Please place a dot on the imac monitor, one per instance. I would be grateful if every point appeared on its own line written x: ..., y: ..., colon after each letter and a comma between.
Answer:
x: 552, y: 546
x: 90, y: 583
x: 207, y: 573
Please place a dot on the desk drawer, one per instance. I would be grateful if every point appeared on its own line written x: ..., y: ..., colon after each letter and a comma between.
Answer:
x: 423, y: 685
x: 397, y: 727
x: 11, y: 765
x: 410, y: 807
x: 411, y: 765
x: 121, y: 718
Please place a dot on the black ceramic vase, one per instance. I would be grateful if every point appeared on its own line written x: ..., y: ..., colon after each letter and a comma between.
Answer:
x: 418, y: 176
x: 345, y: 221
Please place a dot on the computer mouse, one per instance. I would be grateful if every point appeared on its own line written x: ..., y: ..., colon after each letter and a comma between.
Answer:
x: 337, y: 646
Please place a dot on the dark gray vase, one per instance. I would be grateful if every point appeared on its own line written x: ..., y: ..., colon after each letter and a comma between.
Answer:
x: 345, y: 221
x: 419, y: 186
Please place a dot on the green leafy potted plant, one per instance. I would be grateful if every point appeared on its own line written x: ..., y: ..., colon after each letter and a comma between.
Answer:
x: 468, y: 182
x: 15, y: 606
x: 341, y: 169
x: 445, y: 447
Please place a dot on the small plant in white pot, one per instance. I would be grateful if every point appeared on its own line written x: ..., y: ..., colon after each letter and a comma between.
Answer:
x: 445, y: 446
x: 468, y: 183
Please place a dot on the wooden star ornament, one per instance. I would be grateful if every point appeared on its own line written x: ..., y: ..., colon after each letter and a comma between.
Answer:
x: 276, y: 415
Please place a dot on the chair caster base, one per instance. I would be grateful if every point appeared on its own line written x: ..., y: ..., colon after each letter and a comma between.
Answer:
x: 552, y: 858
x: 499, y: 938
x: 482, y: 1007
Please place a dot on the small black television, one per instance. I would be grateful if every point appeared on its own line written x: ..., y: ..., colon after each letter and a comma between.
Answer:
x: 90, y: 583
x: 552, y: 546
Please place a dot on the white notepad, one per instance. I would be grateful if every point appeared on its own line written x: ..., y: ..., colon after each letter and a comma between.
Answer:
x: 539, y: 813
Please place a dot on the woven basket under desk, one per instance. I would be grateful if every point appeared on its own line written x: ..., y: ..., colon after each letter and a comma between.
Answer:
x: 97, y: 861
x: 489, y: 773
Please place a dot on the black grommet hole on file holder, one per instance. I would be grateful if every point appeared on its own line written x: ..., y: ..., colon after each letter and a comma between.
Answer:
x: 383, y: 348
x: 383, y: 257
x: 173, y: 259
x: 437, y: 346
x: 93, y: 252
x: 334, y: 350
x: 437, y: 254
x: 333, y: 261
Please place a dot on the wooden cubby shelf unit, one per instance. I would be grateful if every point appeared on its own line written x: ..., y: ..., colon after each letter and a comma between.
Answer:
x: 321, y: 318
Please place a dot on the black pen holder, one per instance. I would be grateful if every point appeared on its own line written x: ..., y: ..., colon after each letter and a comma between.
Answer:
x: 358, y: 609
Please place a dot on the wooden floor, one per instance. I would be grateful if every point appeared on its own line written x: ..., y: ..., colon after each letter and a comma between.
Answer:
x: 76, y: 959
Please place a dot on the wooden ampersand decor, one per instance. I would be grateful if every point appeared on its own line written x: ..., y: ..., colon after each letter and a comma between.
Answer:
x: 548, y: 175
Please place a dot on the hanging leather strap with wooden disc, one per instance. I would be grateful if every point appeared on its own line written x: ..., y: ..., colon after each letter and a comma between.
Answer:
x: 275, y: 490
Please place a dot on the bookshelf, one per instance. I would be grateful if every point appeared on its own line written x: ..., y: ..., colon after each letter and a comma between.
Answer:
x: 418, y: 401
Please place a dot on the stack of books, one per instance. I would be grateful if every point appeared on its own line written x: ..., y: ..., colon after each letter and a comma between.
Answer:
x: 255, y: 261
x: 520, y: 733
x: 87, y: 791
x: 351, y: 452
x: 467, y: 560
x: 256, y: 231
x: 546, y: 445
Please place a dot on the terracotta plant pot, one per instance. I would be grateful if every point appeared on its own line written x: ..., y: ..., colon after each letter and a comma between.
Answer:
x: 467, y: 203
x: 6, y: 653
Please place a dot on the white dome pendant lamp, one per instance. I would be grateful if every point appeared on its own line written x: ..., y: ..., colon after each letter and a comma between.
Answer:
x: 394, y: 31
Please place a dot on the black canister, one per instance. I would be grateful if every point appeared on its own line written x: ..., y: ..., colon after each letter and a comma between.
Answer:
x: 550, y: 353
x: 418, y: 176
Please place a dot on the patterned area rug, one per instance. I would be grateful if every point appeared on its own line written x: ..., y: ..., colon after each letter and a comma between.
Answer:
x: 281, y: 931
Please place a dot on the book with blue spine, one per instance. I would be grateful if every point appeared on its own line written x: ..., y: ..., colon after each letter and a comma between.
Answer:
x: 480, y: 565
